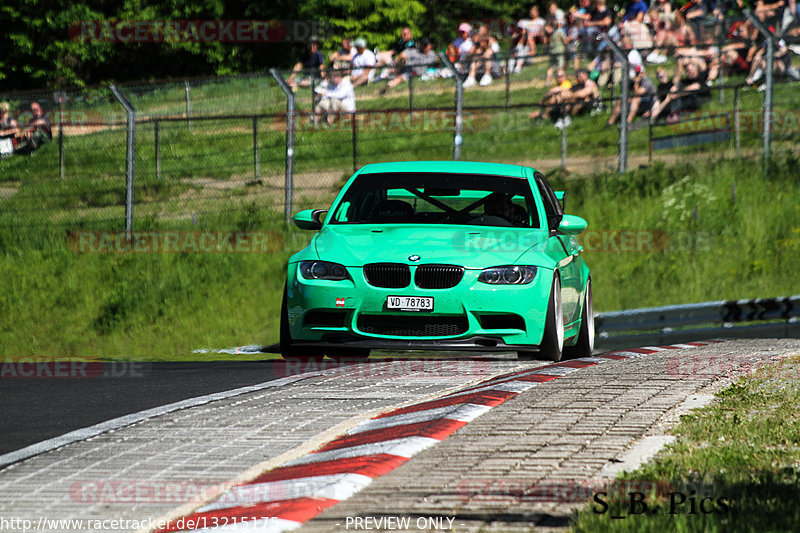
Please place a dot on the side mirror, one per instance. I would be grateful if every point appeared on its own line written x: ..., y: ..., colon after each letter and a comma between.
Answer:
x: 572, y: 225
x: 309, y: 218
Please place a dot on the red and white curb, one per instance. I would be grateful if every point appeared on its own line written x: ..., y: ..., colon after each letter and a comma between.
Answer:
x: 286, y: 497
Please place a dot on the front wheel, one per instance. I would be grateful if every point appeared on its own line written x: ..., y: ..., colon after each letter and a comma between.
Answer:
x: 552, y: 343
x: 585, y: 344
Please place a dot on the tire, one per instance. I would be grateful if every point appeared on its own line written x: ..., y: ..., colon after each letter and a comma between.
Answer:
x: 552, y: 344
x: 288, y: 349
x: 585, y: 344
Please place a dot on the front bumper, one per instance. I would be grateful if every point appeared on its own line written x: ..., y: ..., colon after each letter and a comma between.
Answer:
x: 469, y: 303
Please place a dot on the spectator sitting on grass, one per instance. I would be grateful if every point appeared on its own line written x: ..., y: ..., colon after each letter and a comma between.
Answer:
x: 363, y: 64
x: 312, y: 63
x: 342, y: 57
x: 387, y: 57
x: 8, y: 126
x: 554, y: 97
x: 582, y: 95
x: 455, y: 49
x: 642, y: 97
x: 534, y: 30
x: 37, y: 131
x: 337, y: 97
x: 686, y: 94
x: 482, y: 58
x: 411, y: 62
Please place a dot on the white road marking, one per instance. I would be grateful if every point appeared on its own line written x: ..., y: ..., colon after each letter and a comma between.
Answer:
x: 462, y: 413
x: 405, y: 447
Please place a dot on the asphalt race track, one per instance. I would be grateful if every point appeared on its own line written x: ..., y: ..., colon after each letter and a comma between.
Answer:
x: 454, y: 430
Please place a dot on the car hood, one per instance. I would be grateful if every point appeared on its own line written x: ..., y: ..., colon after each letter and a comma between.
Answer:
x: 470, y: 246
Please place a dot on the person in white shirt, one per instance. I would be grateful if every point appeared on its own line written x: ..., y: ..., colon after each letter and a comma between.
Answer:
x: 337, y: 97
x: 363, y: 64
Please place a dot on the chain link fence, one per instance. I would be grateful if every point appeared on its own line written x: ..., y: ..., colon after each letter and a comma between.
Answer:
x: 226, y: 150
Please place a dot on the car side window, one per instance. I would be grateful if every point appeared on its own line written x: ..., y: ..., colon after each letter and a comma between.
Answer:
x: 552, y: 208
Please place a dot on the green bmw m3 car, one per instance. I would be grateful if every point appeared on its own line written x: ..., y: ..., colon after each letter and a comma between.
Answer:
x: 440, y: 255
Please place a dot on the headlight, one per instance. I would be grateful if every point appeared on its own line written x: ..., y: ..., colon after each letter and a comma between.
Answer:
x: 323, y: 270
x: 508, y: 275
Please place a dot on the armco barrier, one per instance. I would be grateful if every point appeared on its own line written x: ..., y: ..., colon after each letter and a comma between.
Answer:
x: 759, y: 318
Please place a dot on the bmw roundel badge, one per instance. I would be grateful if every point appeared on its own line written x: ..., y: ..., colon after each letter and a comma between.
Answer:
x: 413, y: 257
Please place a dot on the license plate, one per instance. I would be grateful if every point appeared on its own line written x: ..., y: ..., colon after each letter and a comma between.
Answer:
x: 410, y: 303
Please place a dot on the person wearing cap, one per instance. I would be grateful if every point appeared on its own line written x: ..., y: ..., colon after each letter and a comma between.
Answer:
x: 312, y: 63
x: 8, y: 126
x: 454, y: 48
x: 363, y: 63
x: 554, y: 96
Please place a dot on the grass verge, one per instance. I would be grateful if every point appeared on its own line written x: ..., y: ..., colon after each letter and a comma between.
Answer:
x: 719, y: 231
x: 741, y: 453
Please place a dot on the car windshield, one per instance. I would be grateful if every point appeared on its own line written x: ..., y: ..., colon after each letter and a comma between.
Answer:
x: 437, y: 198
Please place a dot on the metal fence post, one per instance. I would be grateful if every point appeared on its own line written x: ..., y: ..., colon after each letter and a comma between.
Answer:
x: 158, y: 149
x: 565, y: 115
x: 623, y: 115
x: 769, y: 77
x: 458, y: 139
x: 411, y: 93
x: 737, y: 122
x: 61, y: 135
x: 290, y: 118
x: 130, y: 156
x: 720, y: 45
x: 255, y: 146
x: 188, y: 105
x: 354, y: 122
x: 508, y: 78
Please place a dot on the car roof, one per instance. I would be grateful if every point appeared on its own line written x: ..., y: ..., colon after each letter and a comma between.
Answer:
x: 454, y: 167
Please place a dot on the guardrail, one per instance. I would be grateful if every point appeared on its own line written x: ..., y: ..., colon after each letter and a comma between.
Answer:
x: 759, y: 318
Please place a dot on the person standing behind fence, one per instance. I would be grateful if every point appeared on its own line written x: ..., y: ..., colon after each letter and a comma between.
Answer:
x: 337, y: 97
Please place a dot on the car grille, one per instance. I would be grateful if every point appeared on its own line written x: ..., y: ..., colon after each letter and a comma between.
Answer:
x: 413, y: 326
x: 388, y: 275
x: 438, y: 276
